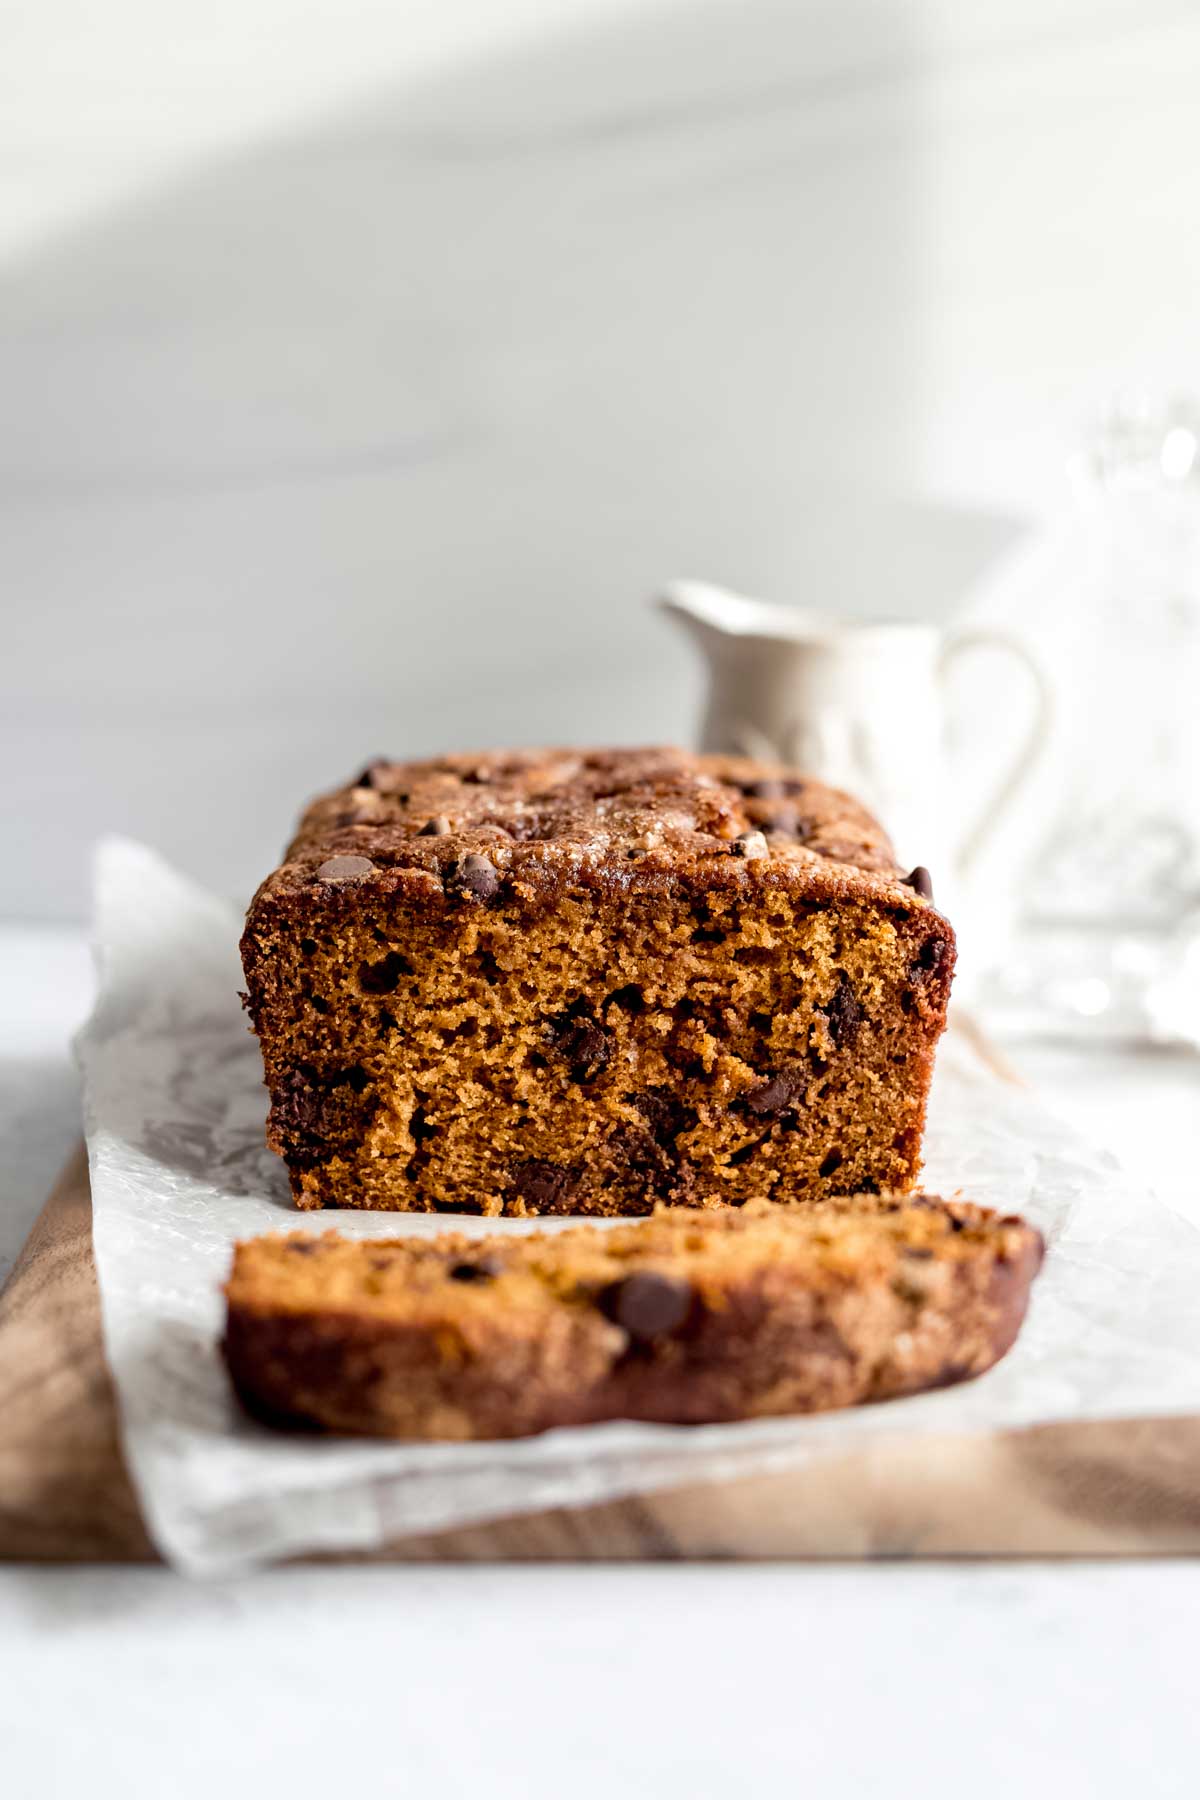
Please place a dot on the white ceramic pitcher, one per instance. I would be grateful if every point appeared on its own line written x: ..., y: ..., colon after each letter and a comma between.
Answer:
x: 859, y: 705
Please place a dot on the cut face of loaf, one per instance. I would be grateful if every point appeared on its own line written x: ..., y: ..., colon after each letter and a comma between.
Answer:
x: 591, y: 982
x: 681, y: 1318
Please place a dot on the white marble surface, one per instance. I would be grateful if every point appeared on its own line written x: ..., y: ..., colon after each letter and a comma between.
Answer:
x: 666, y: 1682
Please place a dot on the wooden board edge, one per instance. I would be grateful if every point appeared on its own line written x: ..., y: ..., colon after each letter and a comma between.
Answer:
x: 65, y: 1494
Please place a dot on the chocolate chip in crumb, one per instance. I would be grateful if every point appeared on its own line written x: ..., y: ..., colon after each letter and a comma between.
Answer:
x: 664, y: 1114
x: 345, y: 868
x: 920, y: 881
x: 302, y: 1246
x: 545, y: 1186
x: 648, y: 1305
x: 752, y: 845
x: 435, y: 827
x: 775, y: 1097
x: 583, y: 1044
x: 843, y: 1013
x: 477, y: 876
x: 767, y: 789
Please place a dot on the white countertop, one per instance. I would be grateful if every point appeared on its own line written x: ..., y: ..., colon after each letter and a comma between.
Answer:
x: 661, y: 1681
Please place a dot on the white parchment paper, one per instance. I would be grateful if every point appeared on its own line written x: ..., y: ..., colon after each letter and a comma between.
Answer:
x: 175, y: 1109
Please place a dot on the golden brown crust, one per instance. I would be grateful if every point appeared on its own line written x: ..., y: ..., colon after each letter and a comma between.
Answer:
x: 551, y: 820
x: 591, y: 982
x: 677, y: 1318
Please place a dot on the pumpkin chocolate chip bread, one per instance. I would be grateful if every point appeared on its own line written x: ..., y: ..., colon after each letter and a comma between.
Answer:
x: 681, y: 1318
x: 592, y: 982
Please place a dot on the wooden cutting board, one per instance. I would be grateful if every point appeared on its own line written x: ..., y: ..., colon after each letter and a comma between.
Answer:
x: 1127, y: 1488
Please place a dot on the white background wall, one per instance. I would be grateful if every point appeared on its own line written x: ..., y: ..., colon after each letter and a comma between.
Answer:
x: 362, y: 367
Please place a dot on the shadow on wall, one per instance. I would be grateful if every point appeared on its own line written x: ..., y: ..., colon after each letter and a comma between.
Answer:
x: 375, y: 440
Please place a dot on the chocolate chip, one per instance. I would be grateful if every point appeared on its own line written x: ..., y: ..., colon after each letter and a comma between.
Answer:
x: 581, y: 1043
x: 920, y: 881
x: 477, y: 876
x: 345, y: 868
x: 301, y: 1246
x: 752, y: 845
x: 775, y: 1097
x: 369, y: 776
x: 648, y: 1305
x: 484, y: 1268
x: 843, y: 1013
x: 545, y: 1186
x: 665, y: 1116
x: 317, y: 1112
x: 438, y: 826
x: 832, y: 1163
x: 767, y: 789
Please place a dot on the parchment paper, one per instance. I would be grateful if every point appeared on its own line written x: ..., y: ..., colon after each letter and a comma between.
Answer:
x: 175, y: 1109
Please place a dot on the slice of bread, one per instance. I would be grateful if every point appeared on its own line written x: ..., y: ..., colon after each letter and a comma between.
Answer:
x: 681, y: 1317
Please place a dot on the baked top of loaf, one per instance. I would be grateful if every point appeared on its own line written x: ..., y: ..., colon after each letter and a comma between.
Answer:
x: 549, y: 820
x: 679, y: 1317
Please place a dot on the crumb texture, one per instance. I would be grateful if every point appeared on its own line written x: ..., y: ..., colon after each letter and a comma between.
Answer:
x: 593, y: 982
x: 682, y: 1317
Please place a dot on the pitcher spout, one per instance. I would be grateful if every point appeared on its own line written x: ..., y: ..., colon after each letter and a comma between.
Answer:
x: 715, y: 616
x: 708, y: 612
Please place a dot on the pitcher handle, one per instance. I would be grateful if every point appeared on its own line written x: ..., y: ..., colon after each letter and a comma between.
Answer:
x: 1029, y: 751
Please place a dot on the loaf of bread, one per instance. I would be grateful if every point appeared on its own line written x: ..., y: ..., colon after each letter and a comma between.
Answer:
x: 683, y: 1317
x: 593, y: 982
